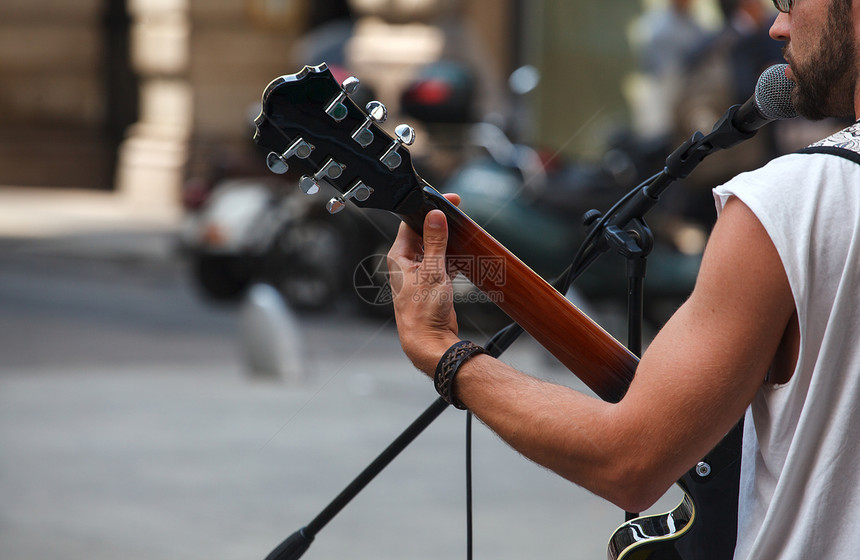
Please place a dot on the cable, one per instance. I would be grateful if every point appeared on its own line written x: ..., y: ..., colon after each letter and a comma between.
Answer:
x: 506, y: 336
x: 469, y: 543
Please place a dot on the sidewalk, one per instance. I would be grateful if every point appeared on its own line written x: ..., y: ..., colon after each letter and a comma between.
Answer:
x: 87, y: 222
x: 148, y: 464
x: 163, y: 458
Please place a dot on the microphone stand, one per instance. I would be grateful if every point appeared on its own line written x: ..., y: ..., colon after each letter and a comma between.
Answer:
x: 622, y: 228
x: 625, y: 230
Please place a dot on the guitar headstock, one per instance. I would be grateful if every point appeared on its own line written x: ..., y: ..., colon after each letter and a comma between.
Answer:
x: 309, y: 120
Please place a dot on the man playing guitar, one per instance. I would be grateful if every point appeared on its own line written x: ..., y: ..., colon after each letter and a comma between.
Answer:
x: 770, y: 330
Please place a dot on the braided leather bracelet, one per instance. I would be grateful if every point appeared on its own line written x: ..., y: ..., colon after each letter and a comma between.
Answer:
x: 451, y: 361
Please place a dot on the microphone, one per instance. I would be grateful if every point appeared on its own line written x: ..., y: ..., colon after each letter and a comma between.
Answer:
x: 771, y: 101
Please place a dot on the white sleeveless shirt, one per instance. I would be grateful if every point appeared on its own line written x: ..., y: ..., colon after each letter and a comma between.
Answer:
x: 800, y: 473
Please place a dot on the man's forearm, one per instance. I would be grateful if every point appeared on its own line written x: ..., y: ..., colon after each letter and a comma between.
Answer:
x: 573, y: 434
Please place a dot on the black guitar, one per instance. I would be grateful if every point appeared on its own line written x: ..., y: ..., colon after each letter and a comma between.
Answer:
x: 309, y: 120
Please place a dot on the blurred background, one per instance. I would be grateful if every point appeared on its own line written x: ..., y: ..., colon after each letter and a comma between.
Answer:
x: 195, y: 357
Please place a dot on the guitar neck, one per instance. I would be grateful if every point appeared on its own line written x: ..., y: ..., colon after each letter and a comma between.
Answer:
x: 579, y: 343
x: 309, y: 119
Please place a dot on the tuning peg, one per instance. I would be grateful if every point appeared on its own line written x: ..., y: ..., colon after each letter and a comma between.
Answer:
x: 376, y: 113
x: 330, y: 170
x: 359, y: 191
x: 335, y: 205
x: 277, y: 163
x: 405, y: 133
x: 336, y: 109
x: 405, y: 136
x: 309, y: 185
x: 351, y: 85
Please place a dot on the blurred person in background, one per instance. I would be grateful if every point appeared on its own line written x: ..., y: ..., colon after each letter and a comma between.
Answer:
x: 663, y: 40
x: 722, y: 71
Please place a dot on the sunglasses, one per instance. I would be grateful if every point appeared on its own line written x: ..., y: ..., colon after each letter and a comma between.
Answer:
x: 783, y: 6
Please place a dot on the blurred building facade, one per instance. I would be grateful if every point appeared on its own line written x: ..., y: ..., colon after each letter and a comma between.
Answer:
x: 127, y: 94
x: 56, y: 109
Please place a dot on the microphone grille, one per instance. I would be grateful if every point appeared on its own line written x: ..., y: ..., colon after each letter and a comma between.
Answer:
x: 773, y: 93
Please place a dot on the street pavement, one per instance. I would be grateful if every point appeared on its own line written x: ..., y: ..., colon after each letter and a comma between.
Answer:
x: 169, y: 447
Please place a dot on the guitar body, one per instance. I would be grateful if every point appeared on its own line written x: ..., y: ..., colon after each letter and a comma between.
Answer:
x: 703, y: 526
x: 309, y: 120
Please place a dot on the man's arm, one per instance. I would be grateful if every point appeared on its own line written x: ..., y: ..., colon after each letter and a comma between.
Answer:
x: 691, y: 386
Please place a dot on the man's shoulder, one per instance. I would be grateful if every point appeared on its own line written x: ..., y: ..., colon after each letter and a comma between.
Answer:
x: 795, y: 169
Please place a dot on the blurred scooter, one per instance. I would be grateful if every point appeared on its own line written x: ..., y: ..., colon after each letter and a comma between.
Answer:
x: 534, y: 203
x: 243, y: 230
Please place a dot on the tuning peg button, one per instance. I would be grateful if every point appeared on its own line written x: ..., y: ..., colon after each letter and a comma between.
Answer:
x: 359, y: 191
x: 351, y: 85
x: 276, y: 163
x: 335, y: 205
x: 336, y: 109
x: 405, y: 136
x: 309, y: 185
x: 376, y: 113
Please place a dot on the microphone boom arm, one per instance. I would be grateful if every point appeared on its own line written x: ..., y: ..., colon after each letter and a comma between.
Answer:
x: 680, y: 164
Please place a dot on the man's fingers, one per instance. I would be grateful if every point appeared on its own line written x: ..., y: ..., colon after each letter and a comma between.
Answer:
x: 406, y: 244
x: 409, y: 245
x: 435, y: 235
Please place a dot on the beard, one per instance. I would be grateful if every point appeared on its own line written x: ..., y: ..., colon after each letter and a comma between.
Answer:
x: 825, y: 79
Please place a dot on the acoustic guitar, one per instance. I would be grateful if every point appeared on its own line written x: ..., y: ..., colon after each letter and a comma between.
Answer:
x: 309, y: 120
